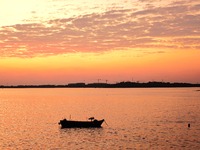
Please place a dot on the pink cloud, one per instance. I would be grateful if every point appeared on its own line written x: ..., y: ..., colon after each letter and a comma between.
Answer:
x: 115, y: 29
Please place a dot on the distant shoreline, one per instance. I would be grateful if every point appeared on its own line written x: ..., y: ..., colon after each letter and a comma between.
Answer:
x: 127, y: 84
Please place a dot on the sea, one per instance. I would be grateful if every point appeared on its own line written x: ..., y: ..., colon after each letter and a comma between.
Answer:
x: 136, y: 118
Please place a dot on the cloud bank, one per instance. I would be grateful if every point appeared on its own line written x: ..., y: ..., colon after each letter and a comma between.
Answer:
x: 173, y: 25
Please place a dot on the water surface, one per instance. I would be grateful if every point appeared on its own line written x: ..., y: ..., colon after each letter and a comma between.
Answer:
x: 137, y: 118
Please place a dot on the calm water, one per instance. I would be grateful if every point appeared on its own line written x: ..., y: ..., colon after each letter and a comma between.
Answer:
x: 136, y: 118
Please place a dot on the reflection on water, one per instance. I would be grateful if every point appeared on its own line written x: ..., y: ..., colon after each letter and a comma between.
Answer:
x: 137, y: 118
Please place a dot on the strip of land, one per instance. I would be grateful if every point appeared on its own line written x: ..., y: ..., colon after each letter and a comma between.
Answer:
x: 127, y: 84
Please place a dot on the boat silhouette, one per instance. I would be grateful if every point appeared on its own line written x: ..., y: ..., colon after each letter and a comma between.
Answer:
x: 91, y: 123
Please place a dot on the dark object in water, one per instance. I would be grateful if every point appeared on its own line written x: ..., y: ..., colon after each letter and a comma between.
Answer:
x: 188, y: 125
x: 81, y: 124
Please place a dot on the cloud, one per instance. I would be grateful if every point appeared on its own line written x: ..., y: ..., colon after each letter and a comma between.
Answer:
x: 169, y: 26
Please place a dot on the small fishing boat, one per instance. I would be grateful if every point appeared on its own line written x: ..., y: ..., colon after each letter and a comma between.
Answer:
x: 92, y: 123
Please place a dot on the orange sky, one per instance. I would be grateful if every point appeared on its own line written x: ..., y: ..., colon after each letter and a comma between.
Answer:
x: 59, y: 42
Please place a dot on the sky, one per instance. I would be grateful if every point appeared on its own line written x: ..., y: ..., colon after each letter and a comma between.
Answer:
x: 62, y: 41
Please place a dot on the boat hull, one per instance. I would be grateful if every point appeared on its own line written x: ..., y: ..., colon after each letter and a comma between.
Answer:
x: 81, y: 124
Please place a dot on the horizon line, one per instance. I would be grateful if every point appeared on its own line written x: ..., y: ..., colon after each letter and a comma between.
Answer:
x: 105, y: 84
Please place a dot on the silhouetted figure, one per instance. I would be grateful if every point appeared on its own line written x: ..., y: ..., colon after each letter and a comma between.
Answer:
x: 91, y: 118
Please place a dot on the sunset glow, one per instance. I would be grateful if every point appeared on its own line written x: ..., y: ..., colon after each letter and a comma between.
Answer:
x: 59, y: 42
